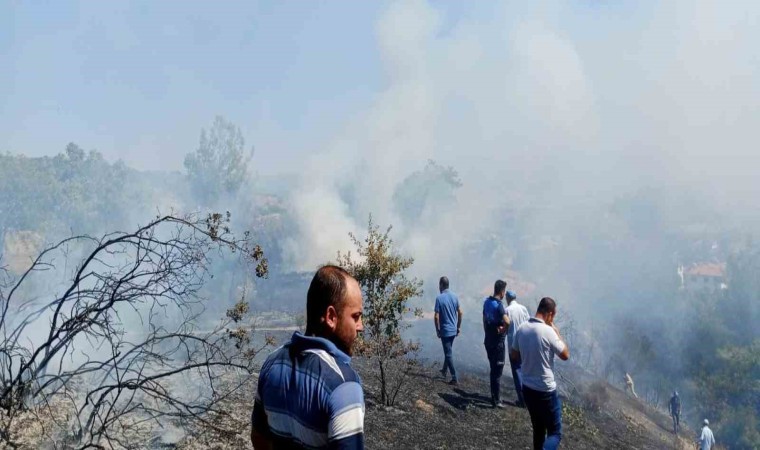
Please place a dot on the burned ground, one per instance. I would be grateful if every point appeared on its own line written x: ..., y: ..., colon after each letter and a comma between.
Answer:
x: 434, y: 415
x: 430, y: 414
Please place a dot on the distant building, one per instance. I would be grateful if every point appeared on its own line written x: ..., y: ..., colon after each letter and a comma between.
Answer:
x: 704, y: 277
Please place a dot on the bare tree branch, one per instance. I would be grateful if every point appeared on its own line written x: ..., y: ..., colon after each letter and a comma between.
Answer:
x: 120, y: 346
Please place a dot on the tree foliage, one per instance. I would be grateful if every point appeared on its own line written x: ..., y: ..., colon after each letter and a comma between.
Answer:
x: 380, y: 271
x: 426, y: 192
x: 220, y: 163
x: 75, y: 190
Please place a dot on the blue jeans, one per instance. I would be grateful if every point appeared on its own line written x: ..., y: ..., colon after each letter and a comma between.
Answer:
x: 516, y: 364
x: 448, y: 360
x: 545, y: 411
x: 496, y: 358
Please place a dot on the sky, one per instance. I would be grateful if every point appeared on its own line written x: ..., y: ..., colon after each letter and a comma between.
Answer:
x: 138, y: 80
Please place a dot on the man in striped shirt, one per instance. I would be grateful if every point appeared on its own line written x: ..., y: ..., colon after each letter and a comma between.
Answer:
x: 308, y: 395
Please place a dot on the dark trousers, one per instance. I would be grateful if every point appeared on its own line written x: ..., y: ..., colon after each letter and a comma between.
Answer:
x: 676, y: 420
x: 545, y: 411
x: 448, y: 359
x: 515, y: 364
x: 496, y: 356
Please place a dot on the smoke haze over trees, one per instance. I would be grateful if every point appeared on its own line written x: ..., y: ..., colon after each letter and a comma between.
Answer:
x: 588, y: 148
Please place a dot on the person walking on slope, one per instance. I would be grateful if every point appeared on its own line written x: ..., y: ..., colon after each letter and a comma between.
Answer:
x: 706, y: 440
x: 675, y: 411
x: 308, y: 395
x: 448, y: 323
x: 629, y: 385
x: 535, y: 344
x: 495, y: 323
x: 518, y: 315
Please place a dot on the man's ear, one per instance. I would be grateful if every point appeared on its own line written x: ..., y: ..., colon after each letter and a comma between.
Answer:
x: 331, y: 318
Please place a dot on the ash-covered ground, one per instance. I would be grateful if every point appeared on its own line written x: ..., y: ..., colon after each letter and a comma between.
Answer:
x: 434, y: 415
x: 430, y: 414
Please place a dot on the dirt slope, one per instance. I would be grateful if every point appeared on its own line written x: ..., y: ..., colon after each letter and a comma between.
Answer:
x: 434, y: 415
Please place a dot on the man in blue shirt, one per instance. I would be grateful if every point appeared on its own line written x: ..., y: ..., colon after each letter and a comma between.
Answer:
x: 495, y: 323
x: 308, y: 395
x: 675, y: 411
x: 448, y: 322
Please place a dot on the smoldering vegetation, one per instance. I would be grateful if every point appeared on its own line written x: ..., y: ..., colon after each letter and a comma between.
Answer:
x: 603, y: 157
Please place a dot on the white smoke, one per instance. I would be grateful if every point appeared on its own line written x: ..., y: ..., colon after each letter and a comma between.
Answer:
x: 564, y: 103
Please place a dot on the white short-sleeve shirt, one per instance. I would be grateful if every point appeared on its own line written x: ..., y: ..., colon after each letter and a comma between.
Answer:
x: 518, y: 315
x: 537, y: 343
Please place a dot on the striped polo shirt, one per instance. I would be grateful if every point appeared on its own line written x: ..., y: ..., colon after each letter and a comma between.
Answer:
x: 309, y: 397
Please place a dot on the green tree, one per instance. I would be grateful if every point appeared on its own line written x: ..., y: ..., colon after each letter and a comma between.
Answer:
x: 220, y: 163
x: 742, y: 269
x: 379, y: 269
x: 425, y: 192
x: 75, y: 191
x: 730, y: 389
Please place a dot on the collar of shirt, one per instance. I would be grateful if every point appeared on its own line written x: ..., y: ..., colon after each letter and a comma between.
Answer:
x: 535, y: 319
x: 302, y: 342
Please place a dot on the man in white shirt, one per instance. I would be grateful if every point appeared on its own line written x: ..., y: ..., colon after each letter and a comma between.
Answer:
x: 518, y: 315
x: 706, y: 440
x: 535, y: 344
x: 629, y: 386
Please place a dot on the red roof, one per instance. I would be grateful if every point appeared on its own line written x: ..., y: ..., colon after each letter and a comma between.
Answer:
x: 707, y: 270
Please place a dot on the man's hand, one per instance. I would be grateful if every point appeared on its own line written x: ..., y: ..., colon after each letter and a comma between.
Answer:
x: 565, y: 355
x: 457, y: 331
x: 501, y: 329
x: 438, y: 333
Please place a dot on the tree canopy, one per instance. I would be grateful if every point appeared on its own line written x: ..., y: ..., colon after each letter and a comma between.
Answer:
x: 220, y: 163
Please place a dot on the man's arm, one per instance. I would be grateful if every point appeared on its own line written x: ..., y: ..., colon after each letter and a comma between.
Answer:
x: 345, y: 430
x: 260, y: 442
x: 259, y: 425
x: 514, y: 353
x: 564, y: 355
x: 505, y: 320
x: 437, y: 317
x: 459, y: 319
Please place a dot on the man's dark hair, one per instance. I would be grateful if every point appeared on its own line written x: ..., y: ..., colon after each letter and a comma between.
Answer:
x: 546, y: 305
x: 328, y: 287
x: 443, y: 283
x: 499, y: 287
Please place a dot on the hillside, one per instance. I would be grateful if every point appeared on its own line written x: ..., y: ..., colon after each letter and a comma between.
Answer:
x: 434, y: 415
x: 430, y: 414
